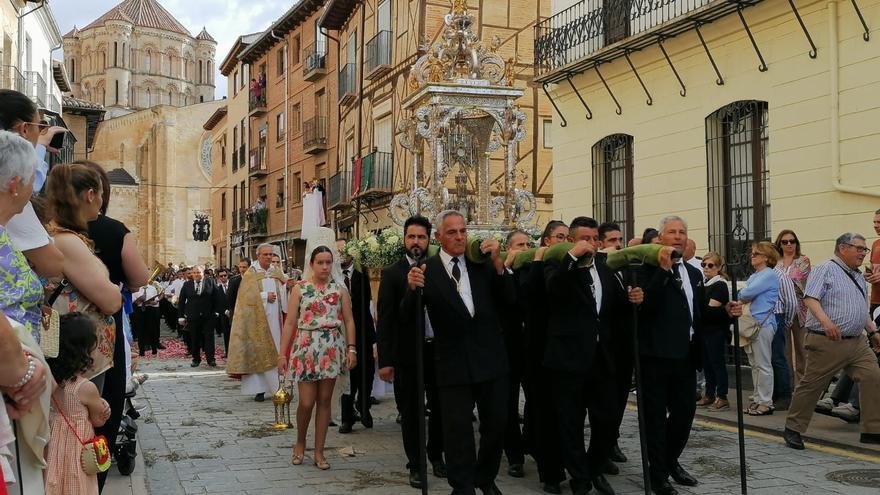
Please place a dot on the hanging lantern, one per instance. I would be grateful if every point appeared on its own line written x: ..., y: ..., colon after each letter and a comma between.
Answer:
x: 282, y: 399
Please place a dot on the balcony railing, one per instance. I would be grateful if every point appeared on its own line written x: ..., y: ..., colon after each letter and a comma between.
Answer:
x: 35, y: 88
x: 258, y: 163
x: 11, y: 78
x: 257, y: 220
x: 52, y: 103
x: 315, y: 60
x: 376, y: 176
x: 257, y: 97
x: 577, y: 37
x: 347, y: 84
x: 339, y: 190
x: 242, y: 219
x: 378, y: 60
x: 315, y: 135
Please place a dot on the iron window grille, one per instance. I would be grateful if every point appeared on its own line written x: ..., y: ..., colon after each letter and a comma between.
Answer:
x: 613, y: 181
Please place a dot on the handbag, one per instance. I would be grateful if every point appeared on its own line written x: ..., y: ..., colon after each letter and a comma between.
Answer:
x: 749, y: 327
x: 50, y: 328
x: 95, y: 454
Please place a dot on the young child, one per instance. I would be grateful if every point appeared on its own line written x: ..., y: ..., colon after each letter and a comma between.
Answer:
x: 76, y: 401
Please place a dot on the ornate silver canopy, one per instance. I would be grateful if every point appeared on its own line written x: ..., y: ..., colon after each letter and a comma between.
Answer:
x: 462, y: 110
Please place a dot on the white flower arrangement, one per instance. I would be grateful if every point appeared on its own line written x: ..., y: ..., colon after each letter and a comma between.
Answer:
x: 377, y: 250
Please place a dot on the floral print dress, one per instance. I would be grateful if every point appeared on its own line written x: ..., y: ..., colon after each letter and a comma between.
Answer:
x: 21, y: 292
x: 319, y: 348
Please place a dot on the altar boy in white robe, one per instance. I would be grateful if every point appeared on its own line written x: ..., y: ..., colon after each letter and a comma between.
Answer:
x: 256, y: 329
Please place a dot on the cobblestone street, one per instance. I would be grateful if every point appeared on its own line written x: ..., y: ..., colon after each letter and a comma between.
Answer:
x: 198, y: 435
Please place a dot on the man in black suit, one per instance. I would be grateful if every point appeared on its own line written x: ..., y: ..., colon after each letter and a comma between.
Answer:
x: 224, y: 324
x: 359, y: 289
x: 235, y: 283
x: 397, y: 355
x: 582, y: 304
x: 669, y: 331
x: 197, y: 310
x: 463, y: 299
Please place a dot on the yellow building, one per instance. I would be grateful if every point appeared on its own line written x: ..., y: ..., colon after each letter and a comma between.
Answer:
x: 709, y: 111
x: 378, y: 41
x: 138, y: 55
x: 166, y: 150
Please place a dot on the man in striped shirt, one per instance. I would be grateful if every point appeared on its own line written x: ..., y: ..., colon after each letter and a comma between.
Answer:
x: 836, y: 295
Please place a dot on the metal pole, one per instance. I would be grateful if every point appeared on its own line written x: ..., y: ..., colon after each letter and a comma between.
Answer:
x: 637, y: 368
x: 420, y: 383
x: 740, y: 425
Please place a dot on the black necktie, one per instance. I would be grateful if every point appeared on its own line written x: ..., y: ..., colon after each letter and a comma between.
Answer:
x: 198, y: 288
x: 348, y: 280
x: 456, y: 271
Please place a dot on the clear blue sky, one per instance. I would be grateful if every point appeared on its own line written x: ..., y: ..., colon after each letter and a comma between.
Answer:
x: 226, y: 20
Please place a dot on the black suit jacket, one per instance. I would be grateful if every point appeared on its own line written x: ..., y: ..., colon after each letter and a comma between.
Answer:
x: 396, y: 336
x: 232, y: 295
x: 575, y: 327
x: 195, y: 307
x: 467, y: 349
x: 665, y: 318
x: 360, y: 305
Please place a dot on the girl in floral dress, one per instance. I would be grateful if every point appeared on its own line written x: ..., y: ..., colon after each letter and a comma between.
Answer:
x: 318, y: 309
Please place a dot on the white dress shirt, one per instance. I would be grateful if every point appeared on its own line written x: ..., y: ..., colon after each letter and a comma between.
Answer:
x: 464, y: 284
x: 688, y: 291
x: 596, y: 288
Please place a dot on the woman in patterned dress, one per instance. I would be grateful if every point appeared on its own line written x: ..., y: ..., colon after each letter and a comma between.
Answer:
x: 75, y: 196
x: 320, y: 309
x: 21, y: 292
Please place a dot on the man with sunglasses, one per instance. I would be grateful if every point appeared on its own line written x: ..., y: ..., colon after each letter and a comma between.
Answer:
x: 836, y: 295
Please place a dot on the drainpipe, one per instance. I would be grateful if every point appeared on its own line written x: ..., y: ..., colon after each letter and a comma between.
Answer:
x: 360, y: 134
x: 324, y: 31
x: 286, y: 143
x: 834, y: 71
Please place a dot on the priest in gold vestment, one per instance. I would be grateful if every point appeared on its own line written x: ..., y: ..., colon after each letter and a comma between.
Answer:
x: 256, y: 327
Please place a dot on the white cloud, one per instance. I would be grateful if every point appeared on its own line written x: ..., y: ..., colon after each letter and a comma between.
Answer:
x: 225, y: 20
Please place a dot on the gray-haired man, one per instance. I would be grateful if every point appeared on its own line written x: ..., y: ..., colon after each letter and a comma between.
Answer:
x: 836, y: 295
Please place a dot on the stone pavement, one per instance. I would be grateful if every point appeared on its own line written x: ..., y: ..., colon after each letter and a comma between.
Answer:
x: 198, y: 435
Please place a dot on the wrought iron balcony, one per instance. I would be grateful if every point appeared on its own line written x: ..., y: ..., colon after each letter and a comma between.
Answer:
x: 35, y: 88
x: 242, y: 219
x: 591, y: 32
x: 52, y: 103
x: 315, y: 135
x: 347, y: 84
x: 339, y: 190
x: 257, y: 98
x: 378, y: 60
x: 315, y: 61
x: 257, y: 221
x: 257, y: 163
x: 376, y: 177
x: 11, y: 78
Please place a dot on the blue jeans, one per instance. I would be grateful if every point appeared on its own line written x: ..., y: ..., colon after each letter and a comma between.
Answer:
x: 781, y: 378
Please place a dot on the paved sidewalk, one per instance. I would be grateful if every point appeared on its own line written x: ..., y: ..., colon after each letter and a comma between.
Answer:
x: 200, y: 436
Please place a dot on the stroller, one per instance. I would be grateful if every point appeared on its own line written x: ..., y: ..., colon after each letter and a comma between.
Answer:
x: 125, y: 452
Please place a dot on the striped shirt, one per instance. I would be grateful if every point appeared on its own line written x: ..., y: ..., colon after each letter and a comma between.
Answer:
x: 787, y: 304
x: 845, y: 302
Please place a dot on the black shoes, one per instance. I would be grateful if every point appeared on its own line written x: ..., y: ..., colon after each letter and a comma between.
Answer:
x: 553, y: 488
x: 491, y: 489
x: 439, y: 469
x: 609, y: 467
x: 260, y: 397
x: 681, y: 476
x: 161, y: 347
x: 870, y: 438
x: 516, y: 471
x: 663, y: 488
x: 195, y: 364
x: 346, y: 427
x: 347, y: 413
x: 602, y: 486
x: 617, y: 455
x: 415, y: 480
x: 793, y: 439
x: 211, y: 364
x: 367, y: 420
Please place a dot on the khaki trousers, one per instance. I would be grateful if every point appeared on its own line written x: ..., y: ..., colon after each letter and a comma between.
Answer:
x: 824, y: 359
x: 794, y: 351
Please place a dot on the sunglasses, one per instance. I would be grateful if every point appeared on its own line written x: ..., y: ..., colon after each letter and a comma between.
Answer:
x: 708, y: 265
x: 786, y: 242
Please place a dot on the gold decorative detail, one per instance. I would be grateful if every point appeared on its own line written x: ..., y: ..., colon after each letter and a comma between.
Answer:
x: 436, y: 70
x: 495, y: 44
x: 459, y: 7
x: 411, y: 81
x: 510, y: 71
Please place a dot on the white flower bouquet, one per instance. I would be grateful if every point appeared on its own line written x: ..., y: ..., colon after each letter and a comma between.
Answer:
x: 377, y: 250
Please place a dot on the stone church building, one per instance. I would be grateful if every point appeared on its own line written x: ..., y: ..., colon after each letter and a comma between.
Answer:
x: 156, y: 83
